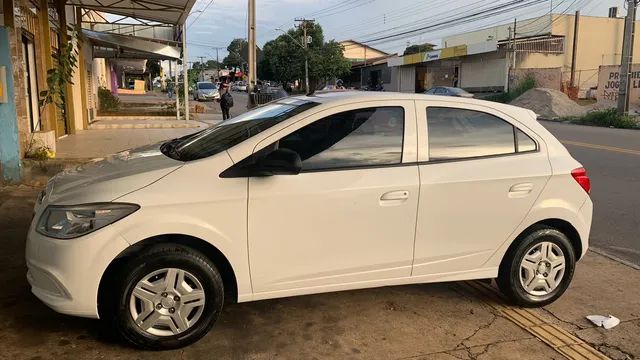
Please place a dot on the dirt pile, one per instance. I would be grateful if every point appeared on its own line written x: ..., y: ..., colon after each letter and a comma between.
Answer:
x: 549, y: 104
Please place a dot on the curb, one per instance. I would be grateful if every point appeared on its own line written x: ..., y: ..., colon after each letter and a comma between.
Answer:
x: 602, y: 252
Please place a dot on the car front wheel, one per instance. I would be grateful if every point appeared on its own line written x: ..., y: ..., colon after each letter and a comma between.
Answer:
x: 538, y: 269
x: 169, y: 297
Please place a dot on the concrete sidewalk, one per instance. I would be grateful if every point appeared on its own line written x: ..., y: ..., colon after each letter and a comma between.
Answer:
x: 89, y: 144
x: 431, y: 321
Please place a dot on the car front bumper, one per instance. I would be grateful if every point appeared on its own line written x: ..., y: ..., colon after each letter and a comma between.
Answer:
x: 66, y: 274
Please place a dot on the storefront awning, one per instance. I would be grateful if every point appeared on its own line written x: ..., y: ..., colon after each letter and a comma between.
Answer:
x: 126, y: 46
x: 172, y: 12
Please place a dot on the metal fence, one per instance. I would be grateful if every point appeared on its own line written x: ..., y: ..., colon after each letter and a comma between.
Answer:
x: 553, y: 45
x: 262, y: 98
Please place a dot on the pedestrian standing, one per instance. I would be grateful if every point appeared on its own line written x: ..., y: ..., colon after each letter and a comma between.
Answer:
x: 170, y: 88
x: 226, y: 101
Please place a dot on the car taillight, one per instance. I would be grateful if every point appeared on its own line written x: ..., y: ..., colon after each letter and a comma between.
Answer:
x: 580, y: 175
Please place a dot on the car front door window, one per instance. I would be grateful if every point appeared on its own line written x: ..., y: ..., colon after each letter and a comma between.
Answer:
x: 357, y: 138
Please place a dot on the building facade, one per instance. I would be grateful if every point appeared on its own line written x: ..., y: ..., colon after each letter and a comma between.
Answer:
x: 34, y: 34
x: 493, y: 59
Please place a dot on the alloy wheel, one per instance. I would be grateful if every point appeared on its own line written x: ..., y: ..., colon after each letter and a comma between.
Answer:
x: 167, y: 302
x: 542, y: 268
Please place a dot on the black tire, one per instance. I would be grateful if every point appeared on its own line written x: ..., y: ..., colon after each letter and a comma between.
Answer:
x: 116, y: 307
x: 509, y: 273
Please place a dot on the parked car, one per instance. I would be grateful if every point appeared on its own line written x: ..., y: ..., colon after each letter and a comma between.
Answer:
x: 307, y: 195
x: 239, y: 86
x: 205, y: 90
x: 448, y: 91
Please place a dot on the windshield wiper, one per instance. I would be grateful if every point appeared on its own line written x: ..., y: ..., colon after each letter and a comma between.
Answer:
x: 170, y: 149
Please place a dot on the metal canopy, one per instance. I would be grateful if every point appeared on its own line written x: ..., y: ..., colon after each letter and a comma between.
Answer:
x: 172, y: 12
x: 127, y: 46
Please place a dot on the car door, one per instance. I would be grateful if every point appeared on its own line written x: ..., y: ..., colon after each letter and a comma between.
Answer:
x: 348, y: 219
x: 480, y: 173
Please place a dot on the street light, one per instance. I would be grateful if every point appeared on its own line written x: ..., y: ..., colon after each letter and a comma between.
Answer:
x: 306, y: 62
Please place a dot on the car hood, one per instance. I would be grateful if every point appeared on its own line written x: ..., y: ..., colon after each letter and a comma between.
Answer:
x: 208, y: 91
x: 110, y: 178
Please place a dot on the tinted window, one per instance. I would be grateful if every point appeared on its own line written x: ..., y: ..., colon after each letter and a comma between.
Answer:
x: 206, y: 86
x: 362, y: 137
x: 460, y: 133
x: 525, y: 143
x: 234, y: 131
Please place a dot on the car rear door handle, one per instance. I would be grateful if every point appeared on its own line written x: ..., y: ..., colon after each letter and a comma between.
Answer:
x: 520, y: 190
x: 394, y: 197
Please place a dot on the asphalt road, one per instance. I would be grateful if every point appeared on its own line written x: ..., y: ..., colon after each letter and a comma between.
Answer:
x: 612, y: 160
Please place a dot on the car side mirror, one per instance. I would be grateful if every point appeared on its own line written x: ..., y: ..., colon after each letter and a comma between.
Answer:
x: 278, y: 162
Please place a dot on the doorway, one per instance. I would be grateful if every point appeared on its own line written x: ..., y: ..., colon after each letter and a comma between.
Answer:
x: 31, y: 84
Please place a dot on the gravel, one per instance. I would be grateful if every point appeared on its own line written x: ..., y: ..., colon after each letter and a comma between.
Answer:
x: 550, y: 104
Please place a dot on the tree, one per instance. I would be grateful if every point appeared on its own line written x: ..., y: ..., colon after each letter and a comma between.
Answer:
x: 212, y: 65
x: 153, y: 68
x: 283, y: 58
x: 414, y: 49
x: 234, y: 59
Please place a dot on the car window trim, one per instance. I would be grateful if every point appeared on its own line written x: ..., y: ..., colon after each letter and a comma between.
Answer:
x: 515, y: 137
x: 230, y: 173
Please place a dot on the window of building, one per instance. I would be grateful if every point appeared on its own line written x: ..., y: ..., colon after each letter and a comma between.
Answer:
x: 357, y: 138
x: 460, y: 133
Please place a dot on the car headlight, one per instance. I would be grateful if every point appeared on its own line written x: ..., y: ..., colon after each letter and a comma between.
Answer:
x: 68, y: 222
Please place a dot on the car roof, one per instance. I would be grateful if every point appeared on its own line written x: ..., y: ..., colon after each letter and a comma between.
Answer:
x: 344, y: 97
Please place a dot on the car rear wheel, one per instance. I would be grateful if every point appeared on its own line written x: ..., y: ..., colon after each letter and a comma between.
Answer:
x: 538, y: 269
x: 169, y: 297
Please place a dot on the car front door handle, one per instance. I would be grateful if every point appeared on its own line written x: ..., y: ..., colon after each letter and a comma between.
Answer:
x: 394, y: 197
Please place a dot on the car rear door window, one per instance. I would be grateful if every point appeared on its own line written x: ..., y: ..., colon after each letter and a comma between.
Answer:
x: 460, y: 133
x: 357, y: 138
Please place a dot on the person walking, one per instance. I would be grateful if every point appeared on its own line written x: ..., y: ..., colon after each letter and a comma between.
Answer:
x: 226, y: 101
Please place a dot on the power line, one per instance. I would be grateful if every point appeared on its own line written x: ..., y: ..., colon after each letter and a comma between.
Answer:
x: 482, y: 14
x: 200, y: 14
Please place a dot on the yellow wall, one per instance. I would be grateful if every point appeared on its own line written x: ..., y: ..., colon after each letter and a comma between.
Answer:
x: 355, y: 51
x: 599, y: 43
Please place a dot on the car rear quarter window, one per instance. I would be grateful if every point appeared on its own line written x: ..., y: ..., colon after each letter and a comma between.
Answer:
x: 456, y: 133
x: 525, y: 143
x: 357, y: 138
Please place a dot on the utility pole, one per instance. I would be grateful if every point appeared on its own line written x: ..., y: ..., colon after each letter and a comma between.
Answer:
x: 176, y: 88
x: 217, y: 65
x: 185, y: 73
x: 513, y: 49
x: 362, y: 68
x: 202, y: 67
x: 303, y: 24
x: 574, y: 55
x: 252, y: 51
x: 627, y: 57
x: 507, y: 62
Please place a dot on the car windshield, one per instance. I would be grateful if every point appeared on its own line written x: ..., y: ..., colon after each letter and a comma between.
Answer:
x: 233, y: 131
x: 206, y: 86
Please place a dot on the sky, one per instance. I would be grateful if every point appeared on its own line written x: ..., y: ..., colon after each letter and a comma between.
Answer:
x: 220, y: 21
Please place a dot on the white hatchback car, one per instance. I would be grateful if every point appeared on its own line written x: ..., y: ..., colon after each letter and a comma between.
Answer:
x: 306, y: 195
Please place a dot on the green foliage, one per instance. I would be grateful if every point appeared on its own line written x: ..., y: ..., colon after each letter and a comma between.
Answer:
x: 606, y: 118
x: 283, y: 58
x: 108, y: 102
x: 235, y: 48
x: 414, y: 49
x: 66, y: 60
x: 528, y: 83
x: 36, y: 150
